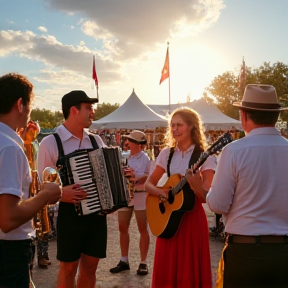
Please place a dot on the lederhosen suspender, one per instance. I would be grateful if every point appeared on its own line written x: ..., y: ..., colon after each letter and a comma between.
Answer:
x: 60, y: 145
x: 194, y: 157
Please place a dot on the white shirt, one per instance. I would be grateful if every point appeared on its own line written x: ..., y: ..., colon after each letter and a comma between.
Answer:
x: 139, y: 163
x: 250, y: 187
x: 48, y: 150
x: 180, y: 161
x: 15, y: 177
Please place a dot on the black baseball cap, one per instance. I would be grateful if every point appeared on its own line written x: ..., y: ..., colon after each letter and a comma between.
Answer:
x: 76, y: 97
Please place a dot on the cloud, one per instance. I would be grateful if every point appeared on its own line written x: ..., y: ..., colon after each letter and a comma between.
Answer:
x: 129, y: 27
x: 43, y: 29
x: 56, y: 55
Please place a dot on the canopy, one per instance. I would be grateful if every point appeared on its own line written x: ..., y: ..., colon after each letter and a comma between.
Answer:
x: 133, y: 114
x: 212, y: 117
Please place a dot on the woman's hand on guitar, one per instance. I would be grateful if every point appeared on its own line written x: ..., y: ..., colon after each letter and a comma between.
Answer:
x: 195, y: 180
x: 73, y: 193
x: 163, y: 195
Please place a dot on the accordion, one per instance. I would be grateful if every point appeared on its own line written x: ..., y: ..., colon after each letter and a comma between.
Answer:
x: 99, y: 172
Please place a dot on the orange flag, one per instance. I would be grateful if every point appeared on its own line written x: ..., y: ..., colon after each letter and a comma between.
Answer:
x: 165, y: 71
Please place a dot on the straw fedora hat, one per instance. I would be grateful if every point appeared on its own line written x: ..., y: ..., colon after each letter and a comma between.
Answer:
x: 137, y: 136
x: 260, y: 97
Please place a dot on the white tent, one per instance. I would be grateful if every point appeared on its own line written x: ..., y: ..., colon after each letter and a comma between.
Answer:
x: 212, y: 117
x: 133, y: 114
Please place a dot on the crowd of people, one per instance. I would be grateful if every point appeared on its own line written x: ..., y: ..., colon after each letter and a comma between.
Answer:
x: 247, y: 185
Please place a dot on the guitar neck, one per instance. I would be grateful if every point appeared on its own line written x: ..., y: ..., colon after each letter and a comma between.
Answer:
x: 183, y: 181
x: 216, y: 147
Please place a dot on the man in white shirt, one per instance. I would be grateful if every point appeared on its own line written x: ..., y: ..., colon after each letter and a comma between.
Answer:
x: 16, y: 207
x: 81, y: 240
x: 250, y: 190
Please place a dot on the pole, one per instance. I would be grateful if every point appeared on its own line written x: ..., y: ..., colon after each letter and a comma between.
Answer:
x: 169, y: 79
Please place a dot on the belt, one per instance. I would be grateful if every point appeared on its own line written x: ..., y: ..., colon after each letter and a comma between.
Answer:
x: 232, y: 238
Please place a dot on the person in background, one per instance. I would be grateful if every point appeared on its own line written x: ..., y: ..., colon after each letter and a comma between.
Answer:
x: 250, y: 191
x: 17, y: 208
x: 137, y: 172
x: 125, y: 152
x: 81, y: 240
x: 184, y: 259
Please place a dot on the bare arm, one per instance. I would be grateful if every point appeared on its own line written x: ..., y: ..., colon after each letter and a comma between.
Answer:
x: 14, y: 212
x: 151, y: 182
x: 201, y: 183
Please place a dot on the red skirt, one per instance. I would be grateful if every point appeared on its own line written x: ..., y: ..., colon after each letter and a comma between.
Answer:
x: 183, y: 261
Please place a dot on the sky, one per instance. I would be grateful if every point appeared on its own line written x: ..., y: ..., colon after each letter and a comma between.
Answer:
x: 52, y: 42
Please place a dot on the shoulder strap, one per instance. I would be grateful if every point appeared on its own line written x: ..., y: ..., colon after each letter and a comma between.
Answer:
x: 93, y: 142
x: 195, y: 155
x: 59, y: 145
x: 169, y: 160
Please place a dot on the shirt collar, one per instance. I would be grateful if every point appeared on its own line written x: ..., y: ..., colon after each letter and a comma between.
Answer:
x: 189, y: 149
x: 65, y: 134
x: 11, y: 133
x: 265, y: 131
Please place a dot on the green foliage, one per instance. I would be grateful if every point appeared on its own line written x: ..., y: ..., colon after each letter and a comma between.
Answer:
x: 105, y: 109
x: 226, y: 89
x: 47, y: 118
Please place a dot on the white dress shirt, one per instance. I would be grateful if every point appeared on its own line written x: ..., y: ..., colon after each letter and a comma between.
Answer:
x: 250, y: 187
x: 48, y: 150
x: 15, y: 176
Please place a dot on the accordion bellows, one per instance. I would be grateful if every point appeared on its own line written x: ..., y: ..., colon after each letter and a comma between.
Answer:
x: 100, y: 173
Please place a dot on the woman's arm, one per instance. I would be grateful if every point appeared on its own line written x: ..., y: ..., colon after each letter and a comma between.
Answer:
x: 152, y: 180
x: 200, y: 182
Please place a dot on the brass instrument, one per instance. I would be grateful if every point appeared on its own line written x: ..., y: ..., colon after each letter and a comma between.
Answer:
x: 31, y: 145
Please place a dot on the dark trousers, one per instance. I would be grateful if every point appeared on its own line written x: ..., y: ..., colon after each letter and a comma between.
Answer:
x: 14, y: 263
x: 256, y: 265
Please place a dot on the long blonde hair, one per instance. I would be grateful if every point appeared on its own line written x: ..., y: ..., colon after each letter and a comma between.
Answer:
x: 191, y: 118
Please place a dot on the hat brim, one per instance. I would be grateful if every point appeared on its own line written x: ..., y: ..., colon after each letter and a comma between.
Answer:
x: 136, y: 141
x: 239, y: 105
x: 91, y: 101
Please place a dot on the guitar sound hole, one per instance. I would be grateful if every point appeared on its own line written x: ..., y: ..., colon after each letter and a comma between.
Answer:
x: 162, y: 208
x: 170, y: 197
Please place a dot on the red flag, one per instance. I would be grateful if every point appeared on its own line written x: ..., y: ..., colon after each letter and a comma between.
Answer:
x: 94, y: 75
x: 165, y: 71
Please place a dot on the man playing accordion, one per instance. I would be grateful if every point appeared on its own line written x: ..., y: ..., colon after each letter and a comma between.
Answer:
x: 81, y: 240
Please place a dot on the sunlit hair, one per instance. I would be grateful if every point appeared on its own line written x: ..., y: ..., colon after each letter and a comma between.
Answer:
x: 192, y: 118
x: 14, y: 86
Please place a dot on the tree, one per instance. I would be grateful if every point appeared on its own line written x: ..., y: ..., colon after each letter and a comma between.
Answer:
x: 226, y: 88
x: 46, y: 118
x: 104, y: 109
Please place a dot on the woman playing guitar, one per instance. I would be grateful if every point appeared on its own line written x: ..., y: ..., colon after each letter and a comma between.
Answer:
x: 183, y: 260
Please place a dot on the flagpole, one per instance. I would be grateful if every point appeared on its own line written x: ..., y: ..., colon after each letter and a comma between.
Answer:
x: 169, y: 80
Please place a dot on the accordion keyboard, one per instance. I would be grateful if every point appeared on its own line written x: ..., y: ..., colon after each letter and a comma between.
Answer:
x: 83, y: 174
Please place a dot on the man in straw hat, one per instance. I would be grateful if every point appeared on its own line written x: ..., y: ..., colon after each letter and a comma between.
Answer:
x: 138, y: 163
x: 250, y: 190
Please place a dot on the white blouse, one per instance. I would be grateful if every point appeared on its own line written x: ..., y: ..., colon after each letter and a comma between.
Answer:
x: 180, y: 161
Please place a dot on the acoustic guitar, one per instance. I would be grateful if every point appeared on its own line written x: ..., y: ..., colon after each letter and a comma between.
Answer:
x: 164, y: 217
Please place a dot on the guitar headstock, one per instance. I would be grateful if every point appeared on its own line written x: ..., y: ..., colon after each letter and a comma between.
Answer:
x: 220, y: 143
x: 214, y: 148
